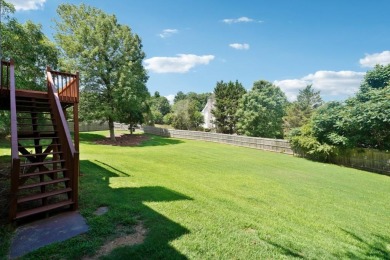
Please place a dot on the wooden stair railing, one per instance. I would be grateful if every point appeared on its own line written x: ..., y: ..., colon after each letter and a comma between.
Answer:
x: 67, y: 85
x: 15, y: 160
x: 71, y: 155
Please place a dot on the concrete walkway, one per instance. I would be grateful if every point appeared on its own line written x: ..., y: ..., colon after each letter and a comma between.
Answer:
x: 58, y: 228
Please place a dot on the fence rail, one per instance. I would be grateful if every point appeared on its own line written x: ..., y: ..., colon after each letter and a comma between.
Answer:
x: 274, y: 145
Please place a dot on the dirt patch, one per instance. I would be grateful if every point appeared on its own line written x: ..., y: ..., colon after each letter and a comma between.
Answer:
x: 134, y: 239
x: 125, y: 140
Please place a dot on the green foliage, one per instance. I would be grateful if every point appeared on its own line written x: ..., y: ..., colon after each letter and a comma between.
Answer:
x: 30, y: 49
x: 377, y: 78
x: 227, y: 96
x: 179, y: 96
x: 305, y: 144
x: 261, y: 110
x: 159, y: 107
x: 199, y: 100
x: 299, y: 112
x: 186, y: 115
x: 362, y: 122
x: 368, y: 122
x: 168, y: 118
x: 109, y: 57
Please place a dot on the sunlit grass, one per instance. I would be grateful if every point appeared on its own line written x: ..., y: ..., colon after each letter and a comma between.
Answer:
x: 202, y: 200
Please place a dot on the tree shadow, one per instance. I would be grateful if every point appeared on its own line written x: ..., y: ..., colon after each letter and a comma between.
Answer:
x: 375, y: 247
x: 155, y: 140
x: 127, y: 208
x: 113, y: 168
x: 90, y: 138
x: 289, y: 252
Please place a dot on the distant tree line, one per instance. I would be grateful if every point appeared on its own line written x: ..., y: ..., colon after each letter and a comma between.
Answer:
x: 109, y: 57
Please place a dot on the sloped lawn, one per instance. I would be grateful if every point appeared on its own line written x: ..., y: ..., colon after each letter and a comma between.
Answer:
x: 202, y: 200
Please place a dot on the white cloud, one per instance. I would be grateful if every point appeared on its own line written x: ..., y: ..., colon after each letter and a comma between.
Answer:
x: 168, y: 32
x: 24, y: 5
x: 370, y: 60
x: 243, y: 19
x: 170, y: 98
x: 239, y: 46
x: 338, y: 84
x: 180, y: 64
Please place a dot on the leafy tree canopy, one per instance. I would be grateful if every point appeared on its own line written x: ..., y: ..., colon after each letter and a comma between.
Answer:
x: 109, y: 57
x: 227, y: 96
x: 299, y: 112
x: 185, y: 115
x: 261, y: 110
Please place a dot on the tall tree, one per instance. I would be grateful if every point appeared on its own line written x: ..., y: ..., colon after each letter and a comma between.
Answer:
x: 179, y: 96
x: 227, y: 96
x: 159, y: 106
x: 261, y: 110
x: 299, y: 112
x: 185, y: 115
x: 108, y: 55
x: 377, y: 78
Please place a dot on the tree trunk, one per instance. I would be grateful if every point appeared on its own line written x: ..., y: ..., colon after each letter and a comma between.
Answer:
x: 131, y: 129
x: 111, y: 127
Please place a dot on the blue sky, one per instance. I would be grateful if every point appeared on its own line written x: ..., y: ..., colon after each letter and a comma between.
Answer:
x: 192, y: 44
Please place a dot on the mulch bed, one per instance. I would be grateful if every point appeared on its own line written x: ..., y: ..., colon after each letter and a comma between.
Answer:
x: 125, y: 140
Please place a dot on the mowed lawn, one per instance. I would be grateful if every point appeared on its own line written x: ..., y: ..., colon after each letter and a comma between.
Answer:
x: 201, y: 200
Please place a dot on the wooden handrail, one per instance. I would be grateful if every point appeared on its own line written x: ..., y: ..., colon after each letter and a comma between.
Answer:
x: 66, y: 85
x: 53, y: 95
x: 14, y: 122
x: 70, y: 154
x: 15, y: 162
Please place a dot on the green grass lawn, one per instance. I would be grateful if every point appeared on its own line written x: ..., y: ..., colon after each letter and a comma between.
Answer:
x: 202, y: 200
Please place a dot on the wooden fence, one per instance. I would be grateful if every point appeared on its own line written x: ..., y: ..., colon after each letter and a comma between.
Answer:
x: 364, y: 159
x: 97, y: 126
x: 274, y: 145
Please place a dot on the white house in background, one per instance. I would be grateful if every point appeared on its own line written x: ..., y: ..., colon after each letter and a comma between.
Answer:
x: 208, y: 117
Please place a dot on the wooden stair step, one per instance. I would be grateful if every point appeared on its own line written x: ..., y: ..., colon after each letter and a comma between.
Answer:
x: 41, y: 163
x: 37, y: 138
x: 46, y: 208
x: 43, y: 195
x: 37, y: 133
x: 32, y: 103
x: 26, y: 124
x: 44, y: 183
x: 46, y: 112
x: 38, y: 154
x: 36, y: 146
x: 33, y: 174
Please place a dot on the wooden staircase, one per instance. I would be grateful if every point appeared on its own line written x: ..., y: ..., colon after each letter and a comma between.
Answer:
x: 45, y: 162
x: 44, y: 182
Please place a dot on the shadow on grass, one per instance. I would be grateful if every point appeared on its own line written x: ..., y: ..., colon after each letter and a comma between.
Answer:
x: 125, y: 201
x: 289, y: 252
x: 90, y: 138
x: 375, y: 247
x: 155, y: 140
x: 100, y: 186
x: 113, y: 168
